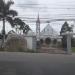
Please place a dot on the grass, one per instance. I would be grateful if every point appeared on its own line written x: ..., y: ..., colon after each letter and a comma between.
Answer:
x: 20, y: 50
x: 29, y: 50
x: 73, y: 49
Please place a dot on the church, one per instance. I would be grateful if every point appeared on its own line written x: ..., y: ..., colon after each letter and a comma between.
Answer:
x: 48, y: 36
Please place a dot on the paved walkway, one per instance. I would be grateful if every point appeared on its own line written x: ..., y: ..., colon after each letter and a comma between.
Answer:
x: 36, y: 64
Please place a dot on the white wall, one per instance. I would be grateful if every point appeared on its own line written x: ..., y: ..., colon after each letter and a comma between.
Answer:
x: 29, y: 42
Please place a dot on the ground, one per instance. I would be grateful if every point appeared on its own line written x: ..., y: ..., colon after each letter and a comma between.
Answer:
x: 73, y: 49
x: 36, y: 64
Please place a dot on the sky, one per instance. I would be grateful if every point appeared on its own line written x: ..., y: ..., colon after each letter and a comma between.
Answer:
x: 47, y: 9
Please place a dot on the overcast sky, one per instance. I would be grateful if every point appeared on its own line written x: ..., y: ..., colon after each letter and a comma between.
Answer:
x: 47, y: 9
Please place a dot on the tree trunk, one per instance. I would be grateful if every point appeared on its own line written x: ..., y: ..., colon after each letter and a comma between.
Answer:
x: 3, y: 33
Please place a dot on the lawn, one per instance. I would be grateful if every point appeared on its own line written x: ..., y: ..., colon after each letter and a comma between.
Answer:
x: 73, y: 49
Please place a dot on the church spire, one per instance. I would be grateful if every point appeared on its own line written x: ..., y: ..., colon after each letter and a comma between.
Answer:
x: 38, y: 19
x: 38, y: 28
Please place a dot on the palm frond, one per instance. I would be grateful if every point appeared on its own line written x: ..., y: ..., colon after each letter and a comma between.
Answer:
x: 10, y: 20
x: 2, y: 5
x: 18, y: 21
x: 12, y: 13
x: 1, y: 15
x: 8, y: 4
x: 26, y: 29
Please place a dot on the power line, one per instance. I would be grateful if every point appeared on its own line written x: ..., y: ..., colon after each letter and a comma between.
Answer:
x: 47, y: 13
x: 52, y: 20
x: 41, y: 18
x: 49, y: 4
x: 49, y: 8
x: 42, y: 6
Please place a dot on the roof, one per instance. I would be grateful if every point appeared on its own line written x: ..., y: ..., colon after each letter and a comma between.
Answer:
x: 48, y: 30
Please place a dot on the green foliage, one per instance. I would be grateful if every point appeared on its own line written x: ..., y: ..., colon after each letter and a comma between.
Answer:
x: 6, y: 14
x: 65, y: 28
x: 73, y: 49
x: 26, y: 29
x: 5, y: 10
x: 21, y: 25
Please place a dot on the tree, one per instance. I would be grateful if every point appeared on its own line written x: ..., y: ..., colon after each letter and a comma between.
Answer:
x: 26, y: 29
x: 19, y: 24
x: 6, y: 14
x: 65, y: 28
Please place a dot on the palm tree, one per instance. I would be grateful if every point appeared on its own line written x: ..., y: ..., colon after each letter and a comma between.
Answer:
x: 6, y: 14
x: 21, y: 25
x: 18, y: 24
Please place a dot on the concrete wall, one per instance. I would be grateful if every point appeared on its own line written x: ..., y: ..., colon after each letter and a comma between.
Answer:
x: 34, y: 42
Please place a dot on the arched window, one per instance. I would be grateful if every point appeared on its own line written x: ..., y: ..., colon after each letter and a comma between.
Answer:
x: 48, y: 41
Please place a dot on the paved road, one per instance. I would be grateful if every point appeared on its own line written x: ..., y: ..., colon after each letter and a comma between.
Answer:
x: 36, y: 64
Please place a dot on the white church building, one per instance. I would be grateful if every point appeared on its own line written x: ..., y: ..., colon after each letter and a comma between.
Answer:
x: 47, y: 32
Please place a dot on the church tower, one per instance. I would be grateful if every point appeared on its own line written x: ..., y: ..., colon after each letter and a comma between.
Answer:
x: 38, y: 28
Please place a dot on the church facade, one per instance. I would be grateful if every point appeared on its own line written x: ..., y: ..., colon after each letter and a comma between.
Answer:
x: 48, y: 36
